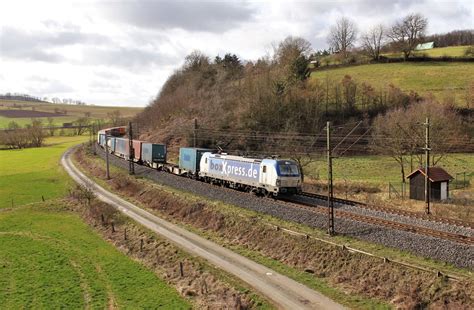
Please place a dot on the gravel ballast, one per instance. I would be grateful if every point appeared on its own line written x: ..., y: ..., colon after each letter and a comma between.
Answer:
x: 460, y: 255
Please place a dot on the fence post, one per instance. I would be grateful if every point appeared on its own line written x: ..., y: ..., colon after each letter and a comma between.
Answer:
x: 389, y: 190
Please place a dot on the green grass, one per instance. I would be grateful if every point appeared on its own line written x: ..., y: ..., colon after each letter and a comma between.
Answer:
x: 22, y: 121
x: 427, y: 77
x: 379, y: 170
x: 451, y: 51
x: 28, y: 174
x: 50, y: 259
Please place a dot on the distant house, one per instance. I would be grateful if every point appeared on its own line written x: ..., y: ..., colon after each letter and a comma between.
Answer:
x: 424, y: 46
x: 439, y: 183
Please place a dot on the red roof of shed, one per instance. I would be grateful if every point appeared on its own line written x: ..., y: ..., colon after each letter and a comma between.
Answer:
x: 436, y: 174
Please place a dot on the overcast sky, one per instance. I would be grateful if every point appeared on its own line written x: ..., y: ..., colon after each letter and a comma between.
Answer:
x: 121, y: 52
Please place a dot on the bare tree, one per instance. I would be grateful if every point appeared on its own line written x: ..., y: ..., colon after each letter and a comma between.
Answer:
x: 36, y: 133
x: 342, y: 35
x: 51, y: 126
x: 292, y: 54
x: 408, y: 32
x: 81, y: 123
x: 372, y: 41
x: 400, y: 135
x: 115, y: 117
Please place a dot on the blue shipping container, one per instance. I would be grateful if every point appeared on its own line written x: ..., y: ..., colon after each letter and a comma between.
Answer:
x: 153, y: 153
x: 190, y: 157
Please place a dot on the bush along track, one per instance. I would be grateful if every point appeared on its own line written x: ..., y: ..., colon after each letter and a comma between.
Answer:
x: 354, y: 279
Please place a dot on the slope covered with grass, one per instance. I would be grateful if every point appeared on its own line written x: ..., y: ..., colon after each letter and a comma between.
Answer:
x: 437, y: 78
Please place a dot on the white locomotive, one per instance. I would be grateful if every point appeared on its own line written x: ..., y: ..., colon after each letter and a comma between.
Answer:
x: 269, y: 177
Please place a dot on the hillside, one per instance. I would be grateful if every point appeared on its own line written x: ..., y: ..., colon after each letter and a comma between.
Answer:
x: 449, y: 51
x: 438, y: 78
x: 61, y: 113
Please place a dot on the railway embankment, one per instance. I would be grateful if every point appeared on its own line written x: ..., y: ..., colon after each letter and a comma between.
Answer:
x: 460, y: 255
x: 320, y: 265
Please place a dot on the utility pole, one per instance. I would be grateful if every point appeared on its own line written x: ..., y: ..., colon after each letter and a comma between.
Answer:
x: 427, y: 165
x: 131, y: 150
x: 91, y: 143
x: 330, y: 189
x: 107, y: 171
x: 94, y: 133
x: 195, y: 133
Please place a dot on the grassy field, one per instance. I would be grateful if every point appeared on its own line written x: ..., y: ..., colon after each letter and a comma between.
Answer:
x: 73, y: 111
x: 28, y: 174
x: 451, y: 51
x: 49, y: 258
x: 379, y: 170
x: 429, y: 77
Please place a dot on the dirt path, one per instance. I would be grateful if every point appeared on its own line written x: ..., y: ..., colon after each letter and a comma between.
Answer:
x: 284, y: 292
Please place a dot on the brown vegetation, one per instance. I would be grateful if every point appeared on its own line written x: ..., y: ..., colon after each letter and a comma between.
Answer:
x: 16, y: 137
x: 269, y: 96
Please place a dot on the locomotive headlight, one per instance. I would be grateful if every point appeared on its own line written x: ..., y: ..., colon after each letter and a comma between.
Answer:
x: 278, y: 182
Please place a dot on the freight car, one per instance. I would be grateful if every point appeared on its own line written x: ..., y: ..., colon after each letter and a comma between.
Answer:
x: 269, y: 177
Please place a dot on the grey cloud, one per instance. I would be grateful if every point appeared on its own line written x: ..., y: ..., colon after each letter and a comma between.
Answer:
x: 35, y: 45
x: 208, y: 16
x: 42, y: 85
x: 133, y: 58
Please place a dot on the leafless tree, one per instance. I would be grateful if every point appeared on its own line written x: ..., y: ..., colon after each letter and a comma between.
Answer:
x: 36, y: 133
x: 82, y: 123
x: 400, y: 134
x: 408, y: 32
x: 292, y: 56
x: 115, y: 117
x: 342, y: 35
x: 372, y: 41
x: 51, y: 126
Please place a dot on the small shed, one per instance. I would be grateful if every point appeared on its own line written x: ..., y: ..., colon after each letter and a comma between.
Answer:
x: 424, y: 46
x: 439, y: 183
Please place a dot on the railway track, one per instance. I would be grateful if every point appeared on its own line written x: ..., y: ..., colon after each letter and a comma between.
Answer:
x: 384, y: 222
x: 406, y: 213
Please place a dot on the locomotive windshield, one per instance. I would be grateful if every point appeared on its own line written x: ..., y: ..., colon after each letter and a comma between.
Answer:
x: 288, y: 169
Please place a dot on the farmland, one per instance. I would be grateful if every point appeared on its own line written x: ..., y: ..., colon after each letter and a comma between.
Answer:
x: 50, y: 257
x: 437, y: 78
x: 379, y: 170
x: 29, y: 174
x: 62, y: 113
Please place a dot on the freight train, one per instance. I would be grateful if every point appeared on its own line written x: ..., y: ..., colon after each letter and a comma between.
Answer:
x: 267, y: 176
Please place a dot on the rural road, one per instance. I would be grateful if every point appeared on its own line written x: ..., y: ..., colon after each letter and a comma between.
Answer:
x: 284, y: 292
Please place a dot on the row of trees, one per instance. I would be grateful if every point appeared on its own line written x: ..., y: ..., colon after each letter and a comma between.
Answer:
x: 402, y: 36
x: 26, y: 97
x: 16, y: 137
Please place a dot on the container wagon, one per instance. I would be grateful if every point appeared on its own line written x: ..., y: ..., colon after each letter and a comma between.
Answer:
x: 189, y: 160
x: 121, y: 147
x: 153, y: 155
